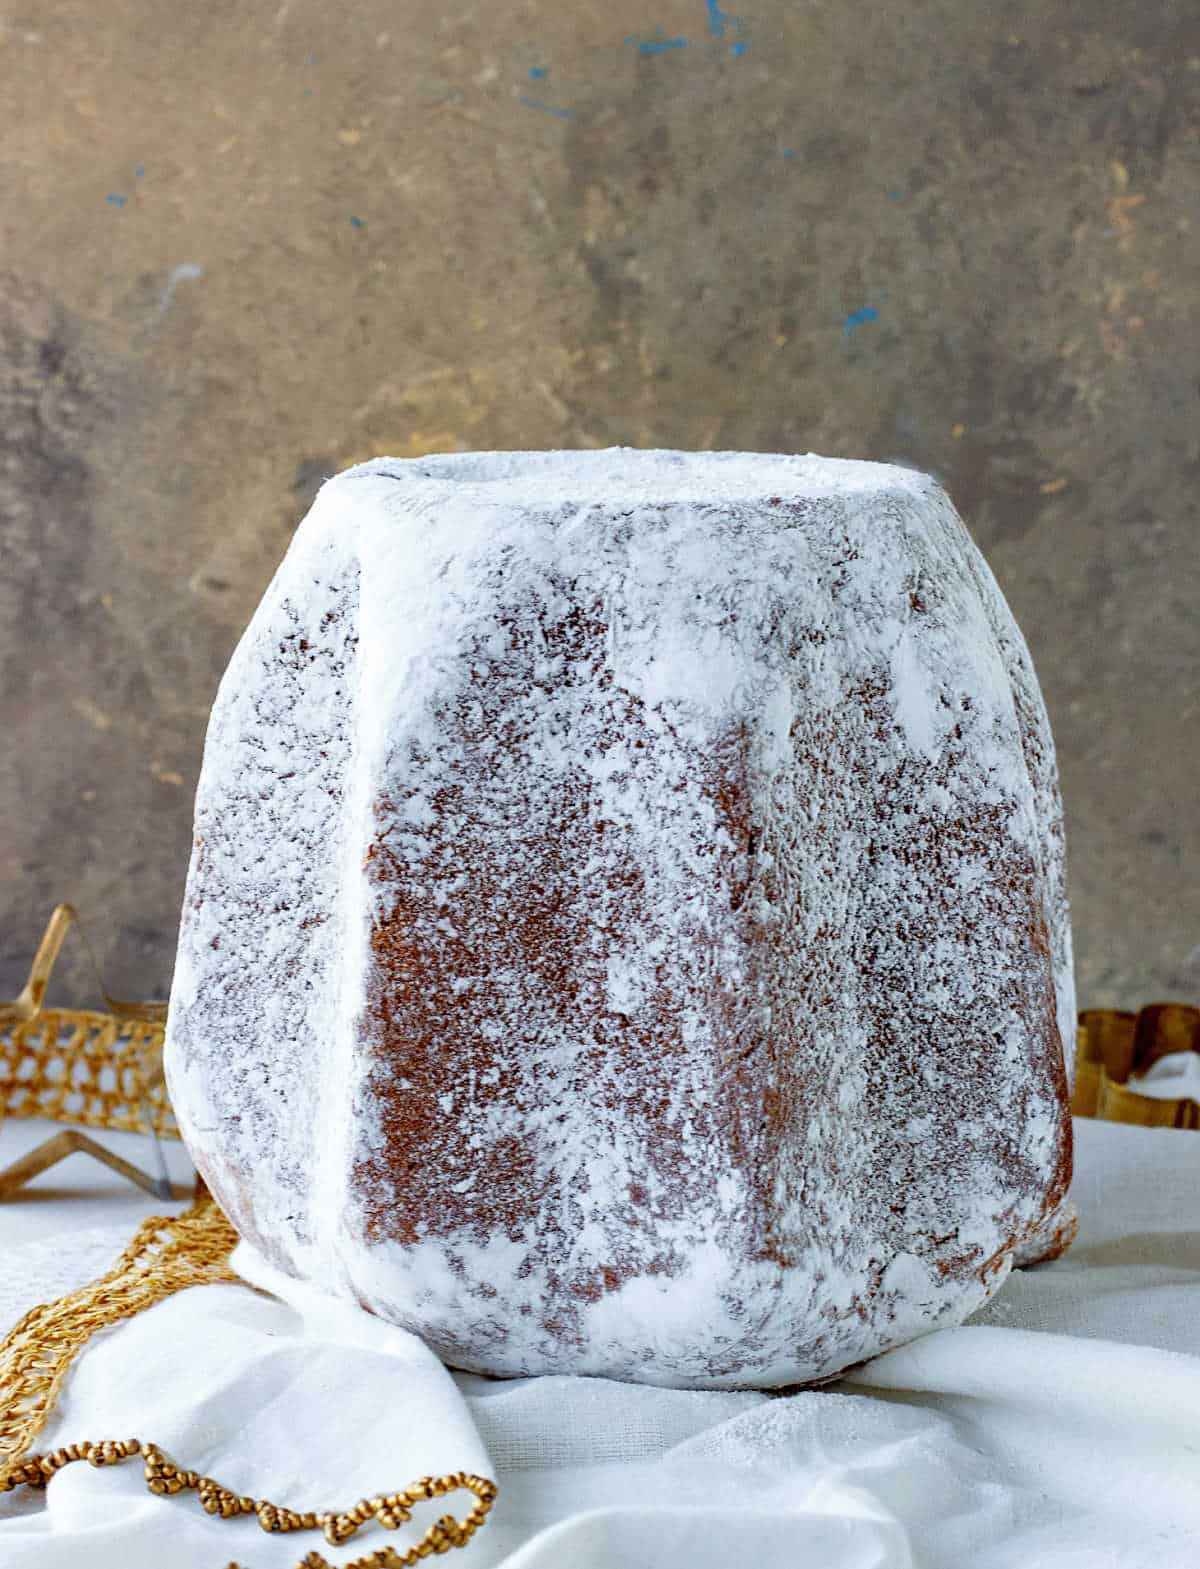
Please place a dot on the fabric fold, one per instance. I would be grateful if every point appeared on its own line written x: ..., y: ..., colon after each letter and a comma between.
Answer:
x: 1060, y: 1429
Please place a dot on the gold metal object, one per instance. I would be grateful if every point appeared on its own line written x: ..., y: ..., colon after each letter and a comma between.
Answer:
x: 95, y: 1070
x: 1112, y: 1045
x: 70, y: 1142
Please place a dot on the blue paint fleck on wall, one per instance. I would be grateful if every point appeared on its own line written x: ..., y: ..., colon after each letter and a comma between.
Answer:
x: 358, y: 223
x: 856, y: 318
x: 114, y: 200
x: 717, y: 19
x: 536, y: 103
x: 739, y: 48
x: 789, y: 152
x: 659, y: 45
x: 536, y: 72
x: 896, y: 196
x: 140, y: 170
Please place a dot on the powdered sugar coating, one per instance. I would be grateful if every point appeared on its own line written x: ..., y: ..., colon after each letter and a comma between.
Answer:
x: 626, y: 932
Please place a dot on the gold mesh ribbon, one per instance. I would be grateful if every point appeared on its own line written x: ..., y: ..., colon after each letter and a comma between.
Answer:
x: 1112, y: 1045
x: 168, y: 1254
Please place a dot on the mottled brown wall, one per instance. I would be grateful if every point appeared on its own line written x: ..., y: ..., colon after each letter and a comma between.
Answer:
x: 242, y: 246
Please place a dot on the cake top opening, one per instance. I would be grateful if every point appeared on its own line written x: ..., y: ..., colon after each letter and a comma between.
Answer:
x: 642, y: 476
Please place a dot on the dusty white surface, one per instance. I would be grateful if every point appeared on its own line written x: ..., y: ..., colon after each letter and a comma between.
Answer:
x: 627, y: 926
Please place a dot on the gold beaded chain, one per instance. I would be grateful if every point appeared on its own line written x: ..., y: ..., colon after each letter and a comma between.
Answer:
x: 165, y: 1255
x: 168, y: 1254
x: 391, y: 1510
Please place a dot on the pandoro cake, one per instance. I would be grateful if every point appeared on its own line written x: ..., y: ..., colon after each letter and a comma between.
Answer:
x: 626, y: 931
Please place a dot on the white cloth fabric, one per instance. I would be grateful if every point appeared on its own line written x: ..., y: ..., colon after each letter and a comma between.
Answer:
x: 1174, y: 1077
x: 1060, y: 1429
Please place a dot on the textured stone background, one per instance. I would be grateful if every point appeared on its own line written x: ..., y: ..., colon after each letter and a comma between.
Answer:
x: 242, y: 246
